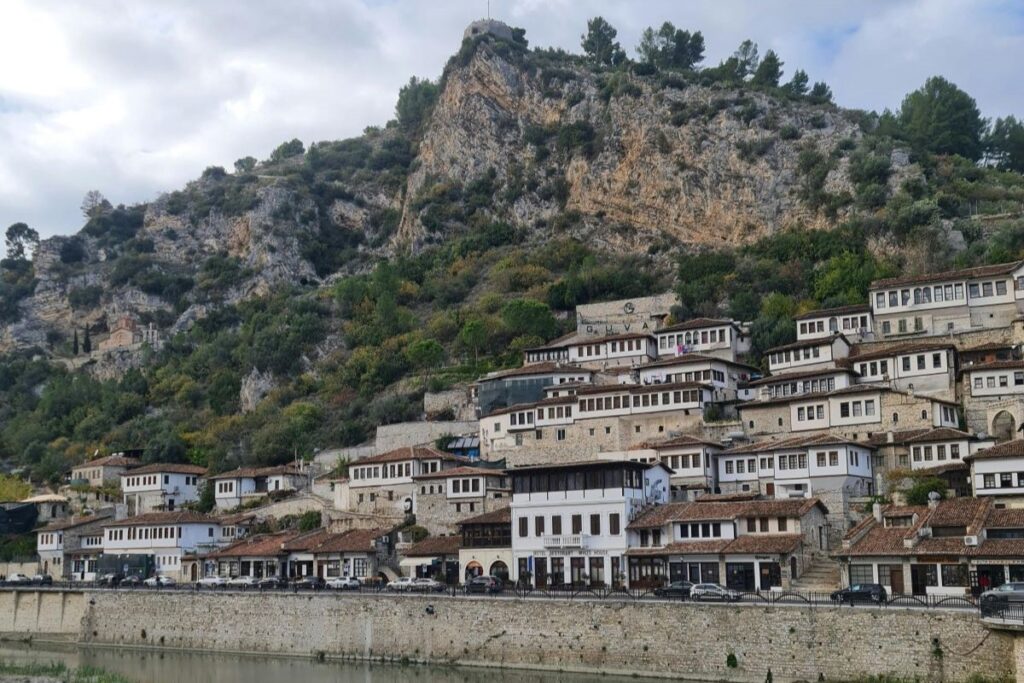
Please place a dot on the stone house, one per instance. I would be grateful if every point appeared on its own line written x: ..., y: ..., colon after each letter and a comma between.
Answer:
x: 100, y: 471
x: 126, y: 333
x: 721, y: 374
x: 50, y: 507
x: 235, y: 487
x: 691, y: 459
x: 942, y: 452
x: 443, y: 499
x: 62, y: 542
x: 160, y: 486
x: 927, y: 368
x: 997, y: 473
x: 486, y: 546
x: 993, y: 397
x: 435, y: 557
x: 746, y: 545
x: 384, y: 483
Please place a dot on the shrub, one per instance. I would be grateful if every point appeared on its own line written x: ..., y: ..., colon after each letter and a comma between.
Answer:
x: 72, y: 251
x: 84, y: 298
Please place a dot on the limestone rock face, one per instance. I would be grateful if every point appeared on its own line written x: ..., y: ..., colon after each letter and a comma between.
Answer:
x: 255, y: 386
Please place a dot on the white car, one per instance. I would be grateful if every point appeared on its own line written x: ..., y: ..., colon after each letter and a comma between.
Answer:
x: 712, y: 591
x: 344, y: 583
x: 427, y: 586
x: 211, y: 582
x: 243, y: 582
x: 404, y: 583
x: 158, y: 580
x: 18, y: 578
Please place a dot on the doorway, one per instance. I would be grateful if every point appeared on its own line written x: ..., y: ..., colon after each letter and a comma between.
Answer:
x: 896, y: 579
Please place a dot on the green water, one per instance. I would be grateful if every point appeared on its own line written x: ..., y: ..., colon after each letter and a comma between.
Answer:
x: 182, y: 667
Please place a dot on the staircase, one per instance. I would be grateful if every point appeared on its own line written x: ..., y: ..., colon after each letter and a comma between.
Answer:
x: 821, y: 577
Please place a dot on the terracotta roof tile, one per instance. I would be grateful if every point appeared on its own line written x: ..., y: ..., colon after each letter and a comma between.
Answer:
x: 995, y: 365
x: 169, y: 468
x: 546, y: 368
x: 808, y: 343
x: 409, y: 453
x: 838, y: 310
x: 773, y: 544
x: 72, y: 522
x: 258, y: 472
x: 111, y: 461
x: 353, y: 541
x: 1001, y: 518
x: 860, y: 354
x: 963, y: 274
x: 794, y: 376
x: 266, y: 545
x: 688, y: 358
x: 1007, y: 449
x: 435, y: 545
x: 178, y: 517
x: 463, y: 471
x: 712, y: 547
x: 500, y: 516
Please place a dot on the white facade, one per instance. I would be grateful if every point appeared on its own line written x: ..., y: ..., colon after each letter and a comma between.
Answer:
x: 922, y: 369
x: 569, y: 522
x: 807, y: 355
x: 723, y: 375
x: 796, y: 469
x: 165, y: 536
x: 232, y: 488
x: 722, y: 338
x: 795, y: 384
x: 997, y: 379
x: 856, y: 323
x: 152, y: 488
x: 617, y: 351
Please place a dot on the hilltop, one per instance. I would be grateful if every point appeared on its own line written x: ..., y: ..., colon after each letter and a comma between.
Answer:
x: 298, y: 301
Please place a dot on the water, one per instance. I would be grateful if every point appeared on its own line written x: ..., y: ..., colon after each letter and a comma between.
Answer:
x: 177, y: 667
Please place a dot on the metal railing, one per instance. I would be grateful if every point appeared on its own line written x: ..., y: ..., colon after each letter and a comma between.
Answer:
x: 568, y: 592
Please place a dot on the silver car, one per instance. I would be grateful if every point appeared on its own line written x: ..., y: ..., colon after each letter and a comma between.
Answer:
x: 712, y: 591
x: 1008, y: 592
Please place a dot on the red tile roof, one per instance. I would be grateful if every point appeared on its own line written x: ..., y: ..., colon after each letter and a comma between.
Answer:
x: 408, y: 453
x: 267, y: 545
x: 178, y: 517
x: 995, y: 365
x: 111, y: 461
x: 500, y: 516
x: 838, y: 310
x: 1007, y: 449
x: 463, y: 471
x: 243, y: 472
x: 702, y: 511
x: 962, y: 274
x: 808, y: 343
x: 696, y: 324
x: 169, y: 468
x: 435, y: 545
x: 859, y: 354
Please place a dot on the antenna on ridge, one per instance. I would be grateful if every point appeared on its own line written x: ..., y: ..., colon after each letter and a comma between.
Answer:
x: 488, y: 9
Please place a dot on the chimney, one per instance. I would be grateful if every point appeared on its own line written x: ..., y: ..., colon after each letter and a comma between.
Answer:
x: 876, y: 510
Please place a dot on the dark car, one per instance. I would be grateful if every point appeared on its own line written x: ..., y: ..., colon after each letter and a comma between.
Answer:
x: 309, y: 582
x: 676, y: 589
x: 861, y: 592
x: 272, y: 582
x: 111, y: 580
x: 1004, y: 594
x: 131, y: 582
x: 42, y: 580
x: 483, y: 584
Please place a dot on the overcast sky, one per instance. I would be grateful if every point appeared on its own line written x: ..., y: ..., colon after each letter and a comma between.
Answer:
x: 135, y: 98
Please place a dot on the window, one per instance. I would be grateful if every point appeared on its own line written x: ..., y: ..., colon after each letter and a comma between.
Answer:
x: 989, y: 481
x: 524, y: 527
x: 1001, y: 287
x: 595, y: 525
x: 920, y: 362
x: 979, y: 382
x: 560, y: 434
x: 844, y: 409
x: 833, y: 458
x: 751, y: 525
x: 577, y: 524
x: 782, y: 523
x: 861, y: 573
x: 821, y: 459
x: 613, y: 524
x: 763, y: 524
x: 538, y: 525
x: 936, y: 360
x: 973, y: 291
x: 1005, y: 480
x: 728, y: 466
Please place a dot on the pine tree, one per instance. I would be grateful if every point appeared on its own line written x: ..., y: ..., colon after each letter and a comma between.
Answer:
x: 74, y: 344
x: 769, y: 71
x: 87, y: 342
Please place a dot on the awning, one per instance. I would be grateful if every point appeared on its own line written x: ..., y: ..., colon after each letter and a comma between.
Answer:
x: 411, y: 562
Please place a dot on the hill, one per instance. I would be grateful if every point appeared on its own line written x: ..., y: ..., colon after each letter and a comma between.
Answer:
x: 299, y: 301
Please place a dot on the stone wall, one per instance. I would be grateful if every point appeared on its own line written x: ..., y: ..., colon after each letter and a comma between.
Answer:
x: 390, y: 437
x: 457, y: 400
x: 41, y: 612
x: 441, y: 515
x: 663, y: 639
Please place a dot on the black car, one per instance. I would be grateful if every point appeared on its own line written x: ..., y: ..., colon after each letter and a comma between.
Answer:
x: 272, y: 582
x: 309, y: 582
x: 111, y: 580
x: 861, y: 592
x: 42, y: 580
x: 483, y: 584
x: 676, y: 589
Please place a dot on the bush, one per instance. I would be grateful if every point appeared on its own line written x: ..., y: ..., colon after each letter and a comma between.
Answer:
x: 751, y: 150
x: 85, y: 298
x: 72, y: 251
x: 579, y: 135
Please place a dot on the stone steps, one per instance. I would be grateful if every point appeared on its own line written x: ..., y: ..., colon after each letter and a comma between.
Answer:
x: 822, y: 576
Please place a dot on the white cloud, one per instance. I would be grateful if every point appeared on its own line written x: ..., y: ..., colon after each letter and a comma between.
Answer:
x: 137, y: 98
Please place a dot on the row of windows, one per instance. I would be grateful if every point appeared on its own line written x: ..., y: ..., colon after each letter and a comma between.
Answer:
x: 902, y: 326
x: 761, y: 524
x: 686, y: 461
x: 587, y: 350
x: 1005, y: 480
x: 808, y: 386
x: 854, y: 322
x: 394, y: 470
x: 697, y: 376
x: 857, y: 408
x: 147, y: 533
x: 700, y: 530
x: 925, y: 295
x: 874, y: 368
x: 795, y: 355
x: 695, y: 338
x: 225, y: 487
x: 167, y: 560
x: 560, y: 481
x: 554, y: 412
x: 540, y: 525
x: 468, y: 485
x: 1003, y: 380
x: 921, y: 362
x: 792, y: 461
x: 924, y: 453
x: 643, y: 400
x: 810, y: 413
x: 49, y: 539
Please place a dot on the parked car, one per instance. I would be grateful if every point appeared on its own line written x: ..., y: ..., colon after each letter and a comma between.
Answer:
x: 483, y: 584
x: 131, y: 582
x: 270, y: 582
x: 159, y: 581
x: 344, y: 583
x: 401, y: 584
x: 1008, y: 592
x: 242, y: 582
x: 310, y: 582
x: 18, y: 578
x: 676, y: 589
x: 42, y: 580
x: 861, y: 592
x: 211, y: 582
x: 111, y: 580
x: 427, y: 586
x: 713, y: 591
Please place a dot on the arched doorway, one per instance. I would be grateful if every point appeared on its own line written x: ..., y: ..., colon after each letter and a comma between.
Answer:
x: 499, y: 570
x: 1004, y: 426
x: 473, y: 569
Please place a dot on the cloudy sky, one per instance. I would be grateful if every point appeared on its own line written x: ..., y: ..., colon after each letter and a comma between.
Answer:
x: 135, y: 98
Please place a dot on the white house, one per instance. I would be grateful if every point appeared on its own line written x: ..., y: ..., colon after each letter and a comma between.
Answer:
x: 106, y: 469
x: 808, y: 354
x: 691, y: 459
x: 921, y: 367
x: 620, y: 350
x: 951, y: 301
x: 64, y: 546
x: 569, y: 520
x: 233, y: 488
x: 854, y: 322
x: 998, y: 473
x: 995, y: 379
x: 808, y: 382
x: 384, y: 483
x: 722, y: 374
x: 709, y: 336
x: 160, y: 486
x: 165, y: 536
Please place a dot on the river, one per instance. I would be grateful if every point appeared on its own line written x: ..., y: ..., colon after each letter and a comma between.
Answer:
x: 146, y: 666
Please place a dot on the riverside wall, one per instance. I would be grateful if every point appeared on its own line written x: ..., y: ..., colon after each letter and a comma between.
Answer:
x: 706, y: 642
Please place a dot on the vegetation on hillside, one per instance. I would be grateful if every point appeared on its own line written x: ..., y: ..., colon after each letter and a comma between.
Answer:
x: 360, y: 350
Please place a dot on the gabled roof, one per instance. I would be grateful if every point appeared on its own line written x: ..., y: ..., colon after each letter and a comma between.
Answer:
x: 463, y: 471
x: 808, y: 343
x: 583, y: 341
x: 768, y: 544
x: 169, y: 468
x: 177, y: 517
x: 897, y: 349
x: 111, y: 461
x: 962, y: 274
x: 675, y: 442
x: 408, y: 453
x: 795, y: 376
x: 244, y: 472
x: 697, y: 324
x: 499, y: 516
x: 940, y: 434
x: 838, y: 310
x: 545, y: 368
x: 794, y: 443
x: 1007, y: 449
x: 699, y: 511
x: 435, y: 545
x: 265, y: 545
x: 639, y: 388
x: 353, y: 541
x: 995, y: 365
x: 687, y: 358
x: 72, y: 522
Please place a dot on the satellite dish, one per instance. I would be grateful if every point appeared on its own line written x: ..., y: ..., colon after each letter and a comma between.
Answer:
x: 408, y: 505
x: 934, y: 496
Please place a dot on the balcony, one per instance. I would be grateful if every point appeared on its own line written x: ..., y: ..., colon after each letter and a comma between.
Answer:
x: 566, y: 541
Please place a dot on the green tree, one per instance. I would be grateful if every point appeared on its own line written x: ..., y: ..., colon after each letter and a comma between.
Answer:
x: 942, y: 119
x: 207, y: 498
x: 286, y: 150
x: 87, y: 342
x: 473, y: 336
x: 529, y: 317
x: 309, y: 520
x: 669, y: 47
x: 820, y: 93
x: 917, y: 492
x: 746, y: 58
x: 20, y: 239
x: 1005, y: 144
x: 769, y: 71
x: 74, y: 344
x: 599, y: 43
x: 245, y: 165
x: 12, y: 488
x: 416, y: 100
x: 425, y: 354
x: 797, y: 85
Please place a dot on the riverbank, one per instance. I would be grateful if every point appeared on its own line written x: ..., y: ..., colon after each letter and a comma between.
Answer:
x: 697, y: 641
